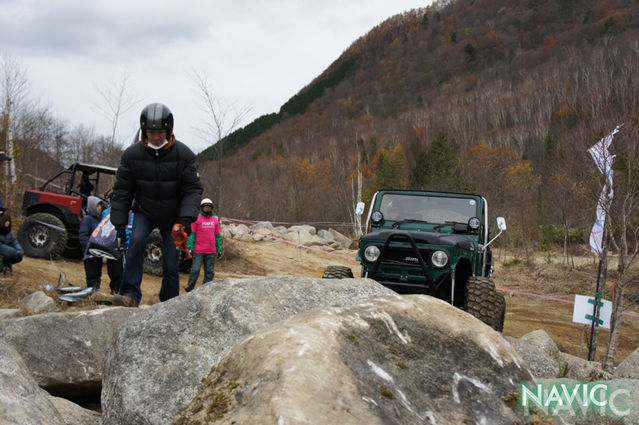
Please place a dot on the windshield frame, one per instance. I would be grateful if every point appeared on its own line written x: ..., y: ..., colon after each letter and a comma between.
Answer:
x: 430, y: 207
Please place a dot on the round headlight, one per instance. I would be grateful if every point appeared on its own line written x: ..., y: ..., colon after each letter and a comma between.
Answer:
x: 377, y: 217
x: 371, y: 253
x: 439, y: 258
x: 474, y: 223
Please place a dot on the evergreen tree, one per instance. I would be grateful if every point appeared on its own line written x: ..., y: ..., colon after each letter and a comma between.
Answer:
x: 390, y: 168
x: 437, y: 166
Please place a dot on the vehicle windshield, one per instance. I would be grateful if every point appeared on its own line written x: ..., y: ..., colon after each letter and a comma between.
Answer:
x: 431, y: 209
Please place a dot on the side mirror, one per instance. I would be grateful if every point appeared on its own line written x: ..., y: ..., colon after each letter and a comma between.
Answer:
x: 501, y: 224
x: 359, y: 209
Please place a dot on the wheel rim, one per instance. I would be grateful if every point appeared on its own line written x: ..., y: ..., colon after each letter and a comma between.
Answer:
x: 153, y: 253
x: 38, y: 237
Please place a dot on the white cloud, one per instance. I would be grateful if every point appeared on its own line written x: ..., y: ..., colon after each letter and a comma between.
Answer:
x: 256, y: 54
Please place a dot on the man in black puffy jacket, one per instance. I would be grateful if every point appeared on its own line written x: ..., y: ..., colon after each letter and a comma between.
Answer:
x: 158, y: 180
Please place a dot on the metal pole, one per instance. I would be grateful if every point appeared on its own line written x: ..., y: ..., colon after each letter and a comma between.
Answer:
x: 594, y: 328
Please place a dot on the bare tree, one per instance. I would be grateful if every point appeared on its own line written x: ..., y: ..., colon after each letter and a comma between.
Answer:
x: 15, y: 89
x: 219, y: 121
x: 356, y: 215
x: 624, y: 235
x: 116, y: 102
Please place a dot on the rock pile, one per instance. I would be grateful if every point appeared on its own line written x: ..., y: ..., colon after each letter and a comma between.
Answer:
x: 285, y: 350
x: 328, y: 240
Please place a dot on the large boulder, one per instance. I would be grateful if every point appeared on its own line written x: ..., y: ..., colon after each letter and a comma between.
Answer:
x: 159, y: 357
x: 262, y: 227
x: 540, y: 353
x: 22, y: 401
x: 344, y: 241
x: 629, y: 367
x: 574, y: 367
x: 304, y: 235
x: 304, y: 228
x: 262, y: 230
x: 64, y: 351
x: 280, y: 231
x: 241, y: 232
x: 394, y: 360
x: 326, y: 235
x: 226, y: 231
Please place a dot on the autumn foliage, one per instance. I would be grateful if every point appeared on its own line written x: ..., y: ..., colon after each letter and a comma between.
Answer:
x: 494, y: 97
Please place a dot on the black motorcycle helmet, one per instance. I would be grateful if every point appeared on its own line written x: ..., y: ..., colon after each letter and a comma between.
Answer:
x: 156, y: 116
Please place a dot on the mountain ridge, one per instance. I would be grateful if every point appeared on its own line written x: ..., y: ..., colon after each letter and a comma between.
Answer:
x: 523, y: 84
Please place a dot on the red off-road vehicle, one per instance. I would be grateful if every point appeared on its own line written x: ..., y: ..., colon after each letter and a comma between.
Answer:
x: 52, y: 215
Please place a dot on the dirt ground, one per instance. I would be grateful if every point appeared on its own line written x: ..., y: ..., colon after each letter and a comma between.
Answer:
x: 524, y: 313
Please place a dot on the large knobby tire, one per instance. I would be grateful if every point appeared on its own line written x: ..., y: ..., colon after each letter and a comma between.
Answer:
x: 337, y: 272
x: 482, y: 301
x: 153, y: 254
x: 42, y: 235
x: 73, y: 249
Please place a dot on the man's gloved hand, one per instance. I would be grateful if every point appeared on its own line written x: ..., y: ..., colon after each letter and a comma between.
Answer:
x: 120, y: 234
x: 186, y: 223
x: 219, y: 255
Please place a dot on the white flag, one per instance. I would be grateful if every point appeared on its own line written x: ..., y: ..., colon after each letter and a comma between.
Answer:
x: 596, y: 234
x: 604, y: 160
x: 600, y: 153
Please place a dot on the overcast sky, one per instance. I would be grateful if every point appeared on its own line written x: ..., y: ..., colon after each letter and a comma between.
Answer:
x: 255, y: 54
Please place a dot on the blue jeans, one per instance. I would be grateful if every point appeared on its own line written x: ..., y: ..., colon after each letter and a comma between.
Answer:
x: 134, y: 266
x: 209, y: 268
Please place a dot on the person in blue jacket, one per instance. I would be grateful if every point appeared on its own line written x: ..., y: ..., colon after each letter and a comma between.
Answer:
x: 10, y: 250
x: 93, y: 264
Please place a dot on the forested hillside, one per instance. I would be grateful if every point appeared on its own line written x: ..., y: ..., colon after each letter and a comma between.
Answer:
x: 497, y: 97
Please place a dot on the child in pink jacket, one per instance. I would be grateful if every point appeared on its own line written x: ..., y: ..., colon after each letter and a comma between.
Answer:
x: 205, y: 243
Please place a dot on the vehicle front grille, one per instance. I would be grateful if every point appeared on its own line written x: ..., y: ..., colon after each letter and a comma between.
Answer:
x: 404, y: 255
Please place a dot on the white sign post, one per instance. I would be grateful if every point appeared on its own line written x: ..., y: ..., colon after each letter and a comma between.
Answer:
x: 582, y: 312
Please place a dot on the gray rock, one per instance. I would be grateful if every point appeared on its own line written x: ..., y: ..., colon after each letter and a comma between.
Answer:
x: 226, y: 231
x: 9, y: 313
x: 240, y: 231
x: 72, y: 414
x: 573, y: 367
x: 629, y: 367
x: 540, y: 353
x: 394, y: 360
x: 63, y: 351
x: 345, y: 241
x: 303, y: 237
x: 38, y: 303
x: 159, y: 357
x: 280, y: 231
x: 22, y: 402
x: 262, y: 227
x: 262, y: 230
x: 326, y: 235
x: 304, y: 228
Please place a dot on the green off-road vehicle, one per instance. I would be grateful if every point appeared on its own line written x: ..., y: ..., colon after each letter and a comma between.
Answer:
x: 432, y: 243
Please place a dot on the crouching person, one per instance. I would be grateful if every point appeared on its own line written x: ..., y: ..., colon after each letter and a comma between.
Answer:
x: 10, y: 250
